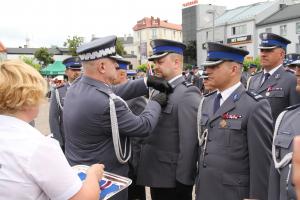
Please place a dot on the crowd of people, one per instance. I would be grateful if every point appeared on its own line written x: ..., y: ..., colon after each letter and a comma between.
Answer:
x: 226, y: 132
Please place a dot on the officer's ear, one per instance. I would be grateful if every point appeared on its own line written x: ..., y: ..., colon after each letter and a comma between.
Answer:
x: 282, y: 53
x: 236, y: 67
x: 101, y: 66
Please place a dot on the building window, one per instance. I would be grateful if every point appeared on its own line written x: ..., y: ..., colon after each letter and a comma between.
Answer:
x: 208, y: 36
x: 154, y: 33
x: 298, y: 28
x: 269, y: 30
x: 132, y: 52
x: 239, y: 30
x: 297, y: 47
x: 174, y: 34
x: 283, y: 30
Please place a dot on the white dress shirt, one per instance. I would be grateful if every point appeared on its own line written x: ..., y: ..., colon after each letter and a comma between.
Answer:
x: 33, y: 166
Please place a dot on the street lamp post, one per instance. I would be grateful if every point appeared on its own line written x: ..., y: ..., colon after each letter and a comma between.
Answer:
x: 212, y: 12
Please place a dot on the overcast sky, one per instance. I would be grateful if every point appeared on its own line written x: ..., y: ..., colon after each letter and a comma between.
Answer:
x: 50, y: 22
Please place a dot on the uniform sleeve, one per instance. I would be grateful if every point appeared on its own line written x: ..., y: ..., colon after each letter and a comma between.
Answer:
x: 274, y: 183
x: 259, y: 136
x: 137, y: 105
x: 131, y: 125
x: 131, y: 89
x: 54, y: 115
x: 51, y: 171
x: 187, y: 126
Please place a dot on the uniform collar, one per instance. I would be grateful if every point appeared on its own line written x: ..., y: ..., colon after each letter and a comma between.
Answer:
x: 226, y: 93
x: 173, y: 79
x: 93, y: 82
x: 272, y: 71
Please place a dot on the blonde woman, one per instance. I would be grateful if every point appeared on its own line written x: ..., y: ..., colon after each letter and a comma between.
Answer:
x: 33, y: 166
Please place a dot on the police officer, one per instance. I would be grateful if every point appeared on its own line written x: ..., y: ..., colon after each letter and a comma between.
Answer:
x: 274, y: 82
x: 235, y: 132
x: 97, y: 121
x: 137, y: 106
x: 168, y: 156
x: 290, y: 58
x: 73, y: 70
x: 247, y: 74
x: 195, y: 79
x: 286, y: 128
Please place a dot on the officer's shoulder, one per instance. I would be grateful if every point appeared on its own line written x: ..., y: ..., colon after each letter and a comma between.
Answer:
x: 293, y: 107
x: 60, y: 86
x: 289, y: 71
x: 257, y: 73
x: 209, y: 94
x: 187, y: 84
x: 253, y: 95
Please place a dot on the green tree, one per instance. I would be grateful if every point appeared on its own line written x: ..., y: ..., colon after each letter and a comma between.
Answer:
x: 32, y: 62
x: 44, y: 56
x: 142, y: 67
x: 73, y: 43
x: 247, y: 63
x: 120, y: 48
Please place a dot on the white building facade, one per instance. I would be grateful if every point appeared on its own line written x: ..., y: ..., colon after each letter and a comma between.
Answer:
x: 237, y: 27
x: 148, y: 29
x: 285, y: 22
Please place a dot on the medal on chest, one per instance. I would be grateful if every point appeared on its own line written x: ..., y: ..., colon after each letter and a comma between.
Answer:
x: 223, y: 123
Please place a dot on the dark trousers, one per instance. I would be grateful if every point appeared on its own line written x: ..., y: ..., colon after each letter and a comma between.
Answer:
x: 180, y: 192
x: 136, y: 192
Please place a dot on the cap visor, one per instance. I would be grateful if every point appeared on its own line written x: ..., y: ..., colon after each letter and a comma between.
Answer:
x: 296, y: 62
x: 272, y: 47
x: 211, y: 63
x: 157, y: 56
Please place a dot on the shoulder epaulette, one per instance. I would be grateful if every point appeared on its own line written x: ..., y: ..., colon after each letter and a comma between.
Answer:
x: 255, y: 96
x: 289, y: 70
x: 207, y: 95
x: 292, y: 107
x: 187, y: 84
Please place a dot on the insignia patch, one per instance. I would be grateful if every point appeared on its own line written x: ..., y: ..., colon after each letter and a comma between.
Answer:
x: 236, y: 97
x: 265, y: 36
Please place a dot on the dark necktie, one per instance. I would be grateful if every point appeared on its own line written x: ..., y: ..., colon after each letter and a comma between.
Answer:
x: 266, y: 76
x: 217, y: 102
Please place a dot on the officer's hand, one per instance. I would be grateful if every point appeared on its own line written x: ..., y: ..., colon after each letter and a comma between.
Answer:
x: 96, y: 170
x: 161, y: 98
x: 159, y: 84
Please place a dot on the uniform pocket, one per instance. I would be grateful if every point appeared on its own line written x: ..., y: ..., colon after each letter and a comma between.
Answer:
x: 283, y: 140
x: 167, y: 157
x: 233, y: 124
x: 235, y: 179
x: 236, y: 186
x: 279, y: 93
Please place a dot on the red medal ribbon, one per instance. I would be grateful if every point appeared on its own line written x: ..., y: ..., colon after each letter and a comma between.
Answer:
x: 229, y: 116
